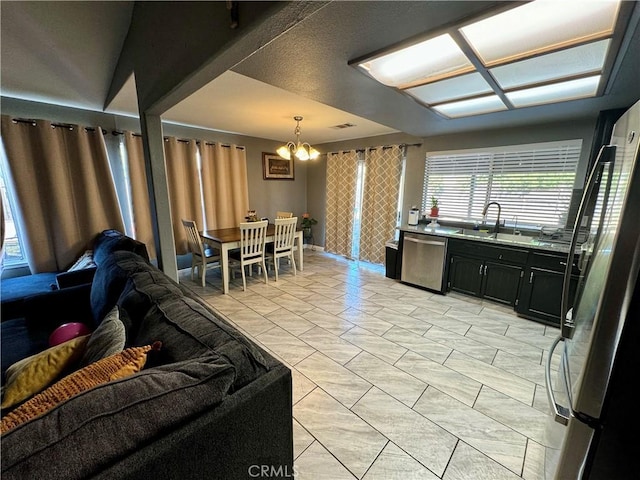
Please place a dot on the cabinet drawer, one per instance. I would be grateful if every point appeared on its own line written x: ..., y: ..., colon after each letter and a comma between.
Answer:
x: 554, y: 262
x: 489, y: 252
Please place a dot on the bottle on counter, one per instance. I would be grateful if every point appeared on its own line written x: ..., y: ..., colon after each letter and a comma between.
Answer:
x: 414, y: 216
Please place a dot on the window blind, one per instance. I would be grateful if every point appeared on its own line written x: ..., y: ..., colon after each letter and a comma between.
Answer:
x: 531, y: 182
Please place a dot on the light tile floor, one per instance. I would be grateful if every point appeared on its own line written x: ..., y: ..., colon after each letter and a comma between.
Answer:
x: 394, y: 382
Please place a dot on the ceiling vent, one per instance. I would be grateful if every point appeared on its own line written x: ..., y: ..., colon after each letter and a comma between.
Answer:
x: 343, y: 126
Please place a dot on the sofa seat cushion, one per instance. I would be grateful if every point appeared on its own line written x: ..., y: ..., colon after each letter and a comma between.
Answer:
x: 93, y: 430
x: 14, y: 290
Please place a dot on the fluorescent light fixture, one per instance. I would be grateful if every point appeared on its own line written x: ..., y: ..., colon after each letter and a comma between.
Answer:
x: 432, y: 59
x: 540, y: 26
x: 474, y: 106
x: 584, y: 59
x: 452, y: 88
x: 557, y: 92
x: 538, y: 52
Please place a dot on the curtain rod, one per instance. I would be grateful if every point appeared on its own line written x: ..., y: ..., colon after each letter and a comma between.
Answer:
x: 69, y: 126
x: 198, y: 142
x: 384, y: 147
x: 182, y: 140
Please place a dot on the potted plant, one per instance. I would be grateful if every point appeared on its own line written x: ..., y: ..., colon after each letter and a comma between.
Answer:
x: 435, y: 210
x: 307, y: 222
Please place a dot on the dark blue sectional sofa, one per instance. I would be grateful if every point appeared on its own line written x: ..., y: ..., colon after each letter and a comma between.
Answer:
x: 210, y: 404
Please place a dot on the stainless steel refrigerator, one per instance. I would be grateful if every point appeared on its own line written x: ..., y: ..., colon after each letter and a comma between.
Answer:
x: 593, y: 367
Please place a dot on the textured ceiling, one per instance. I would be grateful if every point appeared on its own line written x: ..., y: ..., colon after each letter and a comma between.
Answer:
x: 65, y: 53
x: 322, y: 46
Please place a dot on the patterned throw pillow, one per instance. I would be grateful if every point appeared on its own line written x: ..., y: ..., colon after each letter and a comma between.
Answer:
x: 107, y: 339
x: 32, y: 374
x: 116, y: 366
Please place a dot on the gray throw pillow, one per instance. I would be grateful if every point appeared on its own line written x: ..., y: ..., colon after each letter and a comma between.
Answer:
x: 109, y: 338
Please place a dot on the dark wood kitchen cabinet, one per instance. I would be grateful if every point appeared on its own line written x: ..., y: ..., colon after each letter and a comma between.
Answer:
x: 465, y: 275
x: 541, y: 294
x: 489, y: 272
x: 502, y: 282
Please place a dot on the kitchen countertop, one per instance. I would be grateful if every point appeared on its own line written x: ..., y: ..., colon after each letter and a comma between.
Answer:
x: 506, y: 239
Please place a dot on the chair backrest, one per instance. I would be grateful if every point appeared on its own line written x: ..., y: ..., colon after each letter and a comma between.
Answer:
x: 285, y: 234
x: 284, y: 214
x: 252, y: 238
x: 193, y: 237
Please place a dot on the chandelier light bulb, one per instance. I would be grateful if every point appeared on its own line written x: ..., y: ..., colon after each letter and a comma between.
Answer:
x: 284, y: 152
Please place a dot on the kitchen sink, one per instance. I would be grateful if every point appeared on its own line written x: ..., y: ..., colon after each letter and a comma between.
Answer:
x: 501, y: 237
x: 467, y: 232
x: 509, y: 237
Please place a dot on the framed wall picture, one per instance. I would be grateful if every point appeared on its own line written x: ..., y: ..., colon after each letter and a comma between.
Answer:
x: 274, y: 167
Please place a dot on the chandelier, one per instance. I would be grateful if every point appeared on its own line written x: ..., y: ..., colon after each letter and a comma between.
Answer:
x: 302, y: 151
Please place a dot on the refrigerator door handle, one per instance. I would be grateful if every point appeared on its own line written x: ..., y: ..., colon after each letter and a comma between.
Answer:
x: 606, y: 154
x: 560, y: 413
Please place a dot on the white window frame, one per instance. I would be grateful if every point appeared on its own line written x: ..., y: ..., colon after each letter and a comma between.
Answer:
x: 466, y: 180
x: 10, y: 211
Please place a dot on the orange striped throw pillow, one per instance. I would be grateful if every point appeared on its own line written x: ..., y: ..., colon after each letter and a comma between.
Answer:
x: 119, y: 365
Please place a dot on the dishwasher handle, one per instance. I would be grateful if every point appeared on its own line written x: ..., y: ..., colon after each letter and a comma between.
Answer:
x: 425, y: 242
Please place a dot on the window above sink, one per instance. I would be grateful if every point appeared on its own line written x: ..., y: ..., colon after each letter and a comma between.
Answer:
x: 533, y: 183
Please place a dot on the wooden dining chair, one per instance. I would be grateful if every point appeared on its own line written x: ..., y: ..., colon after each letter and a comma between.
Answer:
x: 282, y: 246
x: 252, y: 248
x: 284, y: 214
x: 202, y: 255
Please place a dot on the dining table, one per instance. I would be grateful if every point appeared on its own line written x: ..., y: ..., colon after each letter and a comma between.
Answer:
x: 227, y: 239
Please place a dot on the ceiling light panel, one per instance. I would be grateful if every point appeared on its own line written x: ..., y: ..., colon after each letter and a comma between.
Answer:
x: 450, y: 89
x: 557, y: 92
x: 474, y: 106
x: 426, y: 61
x: 584, y: 59
x: 538, y: 27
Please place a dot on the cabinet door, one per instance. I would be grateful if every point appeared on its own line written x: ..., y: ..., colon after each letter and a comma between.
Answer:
x: 501, y: 282
x: 465, y: 275
x: 544, y: 294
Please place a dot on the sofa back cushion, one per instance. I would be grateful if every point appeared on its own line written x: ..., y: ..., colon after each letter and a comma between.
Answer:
x: 187, y: 329
x: 110, y: 241
x: 153, y: 307
x: 111, y: 278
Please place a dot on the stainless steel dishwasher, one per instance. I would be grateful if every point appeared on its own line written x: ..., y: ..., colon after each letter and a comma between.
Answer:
x: 423, y: 261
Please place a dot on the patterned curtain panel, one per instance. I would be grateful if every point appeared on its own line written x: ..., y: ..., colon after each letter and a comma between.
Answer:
x: 140, y: 205
x: 383, y: 171
x: 225, y: 185
x: 183, y: 178
x: 64, y: 189
x: 342, y: 172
